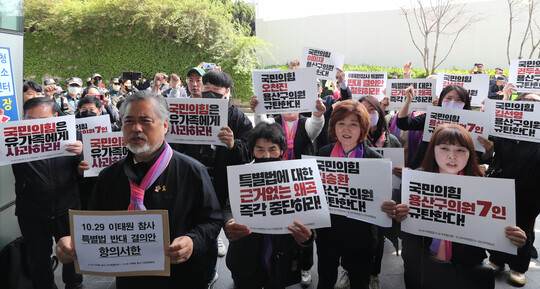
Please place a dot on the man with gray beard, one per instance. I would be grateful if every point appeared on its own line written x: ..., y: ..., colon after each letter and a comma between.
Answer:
x: 180, y: 185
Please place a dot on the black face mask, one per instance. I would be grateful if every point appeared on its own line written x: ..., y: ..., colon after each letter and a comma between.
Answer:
x: 87, y: 113
x: 97, y: 83
x: 265, y: 160
x: 128, y: 88
x: 211, y: 94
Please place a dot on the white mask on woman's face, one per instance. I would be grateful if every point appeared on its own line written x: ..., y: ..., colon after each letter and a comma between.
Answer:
x: 374, y: 118
x: 453, y: 104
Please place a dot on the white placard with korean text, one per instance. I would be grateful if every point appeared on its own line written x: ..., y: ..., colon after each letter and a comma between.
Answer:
x: 268, y: 197
x: 93, y: 124
x: 325, y: 61
x: 120, y: 243
x: 424, y: 88
x: 468, y: 210
x: 525, y: 74
x: 285, y: 91
x: 196, y: 120
x: 102, y: 150
x: 519, y: 120
x: 366, y: 83
x: 475, y: 122
x: 356, y: 187
x: 397, y: 156
x: 36, y: 139
x: 476, y: 84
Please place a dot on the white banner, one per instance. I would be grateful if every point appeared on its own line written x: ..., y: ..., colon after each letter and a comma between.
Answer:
x: 476, y: 84
x: 424, y: 88
x: 324, y: 61
x: 269, y: 197
x: 94, y: 124
x: 120, y: 243
x: 356, y: 188
x: 36, y: 139
x: 475, y: 122
x: 366, y: 83
x: 285, y: 91
x: 468, y: 210
x: 196, y: 120
x: 514, y: 119
x: 397, y: 156
x: 102, y: 150
x: 525, y: 74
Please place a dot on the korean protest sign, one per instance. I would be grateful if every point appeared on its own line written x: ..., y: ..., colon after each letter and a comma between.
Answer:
x: 366, y: 83
x: 476, y: 84
x: 356, y: 188
x: 518, y: 120
x: 36, y: 139
x: 268, y: 197
x: 468, y: 210
x: 475, y: 122
x: 102, y: 150
x: 324, y: 61
x: 120, y: 243
x: 285, y: 91
x: 397, y: 156
x: 196, y: 120
x: 525, y: 74
x: 424, y: 88
x: 94, y: 124
x: 8, y: 101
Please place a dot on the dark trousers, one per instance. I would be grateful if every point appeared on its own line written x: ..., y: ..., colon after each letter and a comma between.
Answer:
x: 210, y: 260
x: 355, y: 247
x: 525, y: 218
x: 38, y: 233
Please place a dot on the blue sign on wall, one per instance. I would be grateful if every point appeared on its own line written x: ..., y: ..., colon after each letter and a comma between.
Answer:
x: 8, y: 101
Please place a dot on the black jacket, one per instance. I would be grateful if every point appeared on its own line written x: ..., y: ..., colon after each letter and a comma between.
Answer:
x: 184, y: 190
x: 46, y: 188
x: 519, y: 160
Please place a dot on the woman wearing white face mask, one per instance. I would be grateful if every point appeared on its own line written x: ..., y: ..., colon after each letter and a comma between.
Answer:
x: 378, y: 135
x: 452, y: 96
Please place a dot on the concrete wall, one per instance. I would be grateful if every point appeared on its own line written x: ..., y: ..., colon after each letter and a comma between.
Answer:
x: 382, y: 38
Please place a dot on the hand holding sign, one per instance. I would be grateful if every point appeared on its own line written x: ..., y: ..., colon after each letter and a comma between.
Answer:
x: 389, y: 207
x: 226, y: 136
x: 515, y: 235
x: 74, y: 147
x: 180, y: 250
x: 83, y: 166
x: 301, y: 234
x: 402, y: 212
x: 253, y: 103
x: 235, y: 231
x: 488, y: 145
x: 64, y: 250
x: 320, y: 108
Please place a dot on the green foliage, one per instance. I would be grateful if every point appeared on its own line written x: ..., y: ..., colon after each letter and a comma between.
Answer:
x: 67, y: 38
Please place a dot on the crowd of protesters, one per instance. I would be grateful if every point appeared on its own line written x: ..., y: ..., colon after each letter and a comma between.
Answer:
x: 198, y: 198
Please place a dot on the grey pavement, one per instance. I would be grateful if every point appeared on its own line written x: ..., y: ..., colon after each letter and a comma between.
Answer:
x: 391, y: 273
